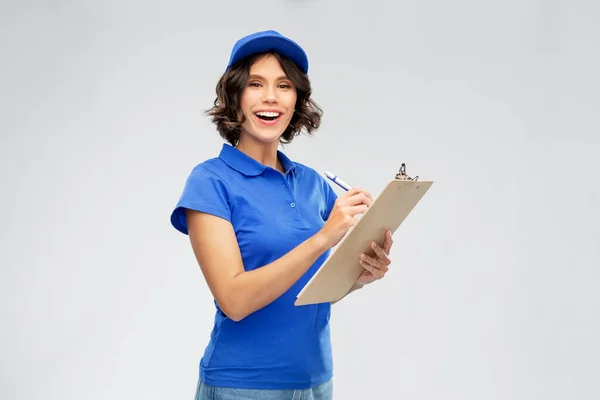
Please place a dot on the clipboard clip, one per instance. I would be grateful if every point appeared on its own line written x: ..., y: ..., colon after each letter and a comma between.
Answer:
x: 401, y: 175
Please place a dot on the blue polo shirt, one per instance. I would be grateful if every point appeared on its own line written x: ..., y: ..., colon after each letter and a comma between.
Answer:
x: 280, y: 346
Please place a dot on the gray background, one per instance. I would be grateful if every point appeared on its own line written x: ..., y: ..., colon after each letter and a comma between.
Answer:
x: 493, y: 292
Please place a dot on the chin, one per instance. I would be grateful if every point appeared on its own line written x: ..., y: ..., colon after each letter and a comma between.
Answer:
x: 267, y: 137
x: 265, y: 134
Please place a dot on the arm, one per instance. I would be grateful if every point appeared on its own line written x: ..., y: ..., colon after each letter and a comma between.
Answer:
x: 240, y: 293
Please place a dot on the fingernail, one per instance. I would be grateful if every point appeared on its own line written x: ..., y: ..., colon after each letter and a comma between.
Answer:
x: 374, y: 245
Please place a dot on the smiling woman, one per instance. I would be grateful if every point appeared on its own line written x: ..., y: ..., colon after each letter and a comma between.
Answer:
x: 261, y: 225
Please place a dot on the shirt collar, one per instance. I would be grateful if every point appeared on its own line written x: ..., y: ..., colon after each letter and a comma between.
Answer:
x: 248, y: 166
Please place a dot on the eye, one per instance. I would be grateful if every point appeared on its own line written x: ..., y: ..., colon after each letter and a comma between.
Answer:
x: 285, y: 86
x: 254, y: 84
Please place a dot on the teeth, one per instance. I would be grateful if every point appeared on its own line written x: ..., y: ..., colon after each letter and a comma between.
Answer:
x: 268, y: 114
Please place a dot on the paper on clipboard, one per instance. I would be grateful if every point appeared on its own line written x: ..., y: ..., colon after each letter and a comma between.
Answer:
x: 339, y: 272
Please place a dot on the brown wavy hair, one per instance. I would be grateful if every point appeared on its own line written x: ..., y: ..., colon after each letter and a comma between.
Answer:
x: 227, y: 114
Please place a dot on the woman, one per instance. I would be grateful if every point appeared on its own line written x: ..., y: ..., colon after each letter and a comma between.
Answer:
x: 260, y: 225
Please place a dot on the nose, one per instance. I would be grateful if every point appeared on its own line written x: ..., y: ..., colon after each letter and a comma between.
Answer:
x: 270, y: 94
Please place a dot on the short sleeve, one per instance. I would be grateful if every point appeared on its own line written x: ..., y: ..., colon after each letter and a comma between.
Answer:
x: 330, y: 198
x: 204, y: 191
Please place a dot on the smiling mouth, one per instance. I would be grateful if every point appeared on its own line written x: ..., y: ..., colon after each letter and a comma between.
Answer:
x: 267, y: 116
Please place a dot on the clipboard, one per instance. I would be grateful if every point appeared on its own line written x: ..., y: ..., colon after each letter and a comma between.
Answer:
x: 339, y: 272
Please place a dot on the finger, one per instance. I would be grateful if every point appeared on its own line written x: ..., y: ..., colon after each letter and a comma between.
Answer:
x: 352, y: 191
x: 374, y: 262
x: 368, y: 194
x: 381, y: 254
x: 356, y: 190
x: 355, y: 210
x: 360, y: 198
x: 387, y: 242
x: 377, y: 274
x: 357, y: 198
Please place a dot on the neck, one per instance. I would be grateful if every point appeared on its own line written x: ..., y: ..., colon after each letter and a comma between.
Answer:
x: 264, y: 153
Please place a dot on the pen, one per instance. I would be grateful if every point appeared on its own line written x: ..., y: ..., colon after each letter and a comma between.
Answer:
x: 338, y: 181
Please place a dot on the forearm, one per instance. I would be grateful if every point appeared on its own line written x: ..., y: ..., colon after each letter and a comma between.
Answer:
x: 253, y: 290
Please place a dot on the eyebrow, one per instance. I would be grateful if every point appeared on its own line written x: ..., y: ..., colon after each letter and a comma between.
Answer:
x: 282, y: 77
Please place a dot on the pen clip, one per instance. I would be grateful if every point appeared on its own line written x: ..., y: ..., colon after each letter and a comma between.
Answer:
x: 401, y: 175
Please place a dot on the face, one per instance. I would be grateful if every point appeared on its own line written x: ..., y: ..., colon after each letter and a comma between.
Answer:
x: 268, y: 101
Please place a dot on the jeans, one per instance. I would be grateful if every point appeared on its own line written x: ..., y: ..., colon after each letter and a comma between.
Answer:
x: 206, y: 392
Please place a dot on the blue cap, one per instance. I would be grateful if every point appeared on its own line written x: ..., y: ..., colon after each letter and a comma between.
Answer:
x: 260, y: 42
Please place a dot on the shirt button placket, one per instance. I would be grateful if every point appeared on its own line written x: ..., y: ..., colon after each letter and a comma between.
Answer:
x: 292, y: 203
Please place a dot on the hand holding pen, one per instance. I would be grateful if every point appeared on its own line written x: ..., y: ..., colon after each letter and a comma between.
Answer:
x: 342, y: 216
